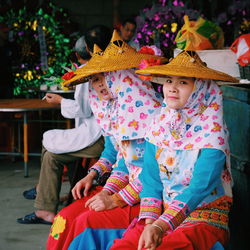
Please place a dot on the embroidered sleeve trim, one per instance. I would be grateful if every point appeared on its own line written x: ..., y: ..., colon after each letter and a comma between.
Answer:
x: 102, y: 166
x: 117, y: 181
x: 151, y: 208
x: 130, y: 194
x: 175, y: 214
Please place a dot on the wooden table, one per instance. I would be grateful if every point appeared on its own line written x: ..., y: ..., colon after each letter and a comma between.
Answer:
x: 24, y: 106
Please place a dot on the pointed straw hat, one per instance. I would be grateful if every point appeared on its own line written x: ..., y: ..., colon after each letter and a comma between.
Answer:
x: 117, y: 56
x: 186, y: 64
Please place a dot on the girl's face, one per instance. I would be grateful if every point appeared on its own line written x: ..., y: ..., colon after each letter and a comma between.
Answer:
x: 177, y: 90
x: 98, y: 83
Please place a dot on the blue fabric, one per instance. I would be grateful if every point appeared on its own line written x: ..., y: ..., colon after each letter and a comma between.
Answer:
x: 151, y: 170
x: 217, y: 246
x: 96, y: 239
x: 109, y: 152
x: 206, y: 177
x: 134, y: 156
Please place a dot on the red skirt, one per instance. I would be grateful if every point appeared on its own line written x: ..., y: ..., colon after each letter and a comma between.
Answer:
x: 64, y: 219
x: 189, y: 236
x: 73, y: 223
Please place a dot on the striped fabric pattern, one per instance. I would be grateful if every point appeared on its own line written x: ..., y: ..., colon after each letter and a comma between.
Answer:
x: 117, y: 181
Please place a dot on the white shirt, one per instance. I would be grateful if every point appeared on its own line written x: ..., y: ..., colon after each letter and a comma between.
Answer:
x: 86, y: 131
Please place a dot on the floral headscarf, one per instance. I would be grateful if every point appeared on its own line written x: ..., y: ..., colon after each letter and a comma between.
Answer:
x: 127, y: 115
x: 198, y: 125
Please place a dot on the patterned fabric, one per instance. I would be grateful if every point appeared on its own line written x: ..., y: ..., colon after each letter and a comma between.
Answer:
x: 150, y: 208
x: 108, y: 158
x: 127, y: 115
x: 117, y: 181
x: 198, y: 125
x: 175, y: 214
x: 127, y: 171
x: 130, y: 194
x: 190, y: 148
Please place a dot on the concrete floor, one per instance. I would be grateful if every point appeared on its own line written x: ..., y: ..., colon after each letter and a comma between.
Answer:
x: 13, y: 205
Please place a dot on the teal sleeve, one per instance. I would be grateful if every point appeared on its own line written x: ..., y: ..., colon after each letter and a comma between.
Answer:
x: 109, y: 152
x: 107, y: 159
x: 150, y: 175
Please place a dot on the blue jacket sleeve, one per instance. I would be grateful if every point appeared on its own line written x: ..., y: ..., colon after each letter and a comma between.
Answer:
x: 150, y: 175
x: 107, y: 158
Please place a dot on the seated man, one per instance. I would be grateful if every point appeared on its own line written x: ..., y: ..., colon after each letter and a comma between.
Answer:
x: 64, y: 147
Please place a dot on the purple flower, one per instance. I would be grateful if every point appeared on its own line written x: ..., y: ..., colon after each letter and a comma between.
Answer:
x: 139, y: 35
x: 156, y: 17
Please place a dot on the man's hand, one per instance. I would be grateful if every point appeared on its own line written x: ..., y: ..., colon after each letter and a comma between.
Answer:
x: 101, y: 201
x: 53, y: 98
x: 85, y: 183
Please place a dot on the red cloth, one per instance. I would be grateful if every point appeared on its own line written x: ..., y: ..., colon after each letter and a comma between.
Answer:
x: 77, y: 218
x: 194, y: 236
x: 57, y: 238
x: 115, y: 218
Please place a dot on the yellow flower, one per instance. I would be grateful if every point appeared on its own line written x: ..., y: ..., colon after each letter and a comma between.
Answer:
x: 34, y: 25
x: 58, y: 227
x: 174, y: 27
x: 28, y: 75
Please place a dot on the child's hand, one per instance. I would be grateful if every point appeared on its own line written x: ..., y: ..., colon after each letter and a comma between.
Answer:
x: 85, y: 183
x: 100, y: 202
x: 151, y: 238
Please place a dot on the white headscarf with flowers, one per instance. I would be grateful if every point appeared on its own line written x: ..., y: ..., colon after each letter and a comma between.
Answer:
x: 134, y: 103
x: 198, y: 125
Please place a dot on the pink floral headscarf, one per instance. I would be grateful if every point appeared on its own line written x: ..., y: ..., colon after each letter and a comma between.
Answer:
x: 127, y: 115
x: 198, y: 125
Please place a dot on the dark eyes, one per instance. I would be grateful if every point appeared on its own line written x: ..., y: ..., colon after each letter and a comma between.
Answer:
x: 95, y: 79
x: 180, y: 82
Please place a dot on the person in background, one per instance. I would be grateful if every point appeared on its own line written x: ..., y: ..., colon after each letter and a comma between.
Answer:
x: 127, y: 32
x: 63, y: 147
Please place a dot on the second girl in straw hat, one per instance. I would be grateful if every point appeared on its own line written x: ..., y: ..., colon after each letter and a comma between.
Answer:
x: 123, y: 106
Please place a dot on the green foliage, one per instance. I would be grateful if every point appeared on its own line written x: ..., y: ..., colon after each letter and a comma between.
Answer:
x: 42, y: 48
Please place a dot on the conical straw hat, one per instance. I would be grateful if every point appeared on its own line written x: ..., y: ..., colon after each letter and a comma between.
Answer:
x: 186, y: 64
x: 117, y: 56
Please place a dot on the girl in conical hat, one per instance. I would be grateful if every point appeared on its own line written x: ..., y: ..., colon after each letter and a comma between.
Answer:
x: 123, y: 105
x: 186, y: 175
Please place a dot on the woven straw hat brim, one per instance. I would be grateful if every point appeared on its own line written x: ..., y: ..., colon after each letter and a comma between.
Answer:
x: 117, y: 56
x: 191, y: 70
x: 102, y: 64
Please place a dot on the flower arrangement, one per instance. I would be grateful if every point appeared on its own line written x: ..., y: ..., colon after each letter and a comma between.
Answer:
x: 41, y: 44
x: 235, y: 20
x: 158, y: 24
x: 58, y: 81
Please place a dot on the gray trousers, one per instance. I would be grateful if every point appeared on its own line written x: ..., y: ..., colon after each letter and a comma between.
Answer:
x: 50, y: 179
